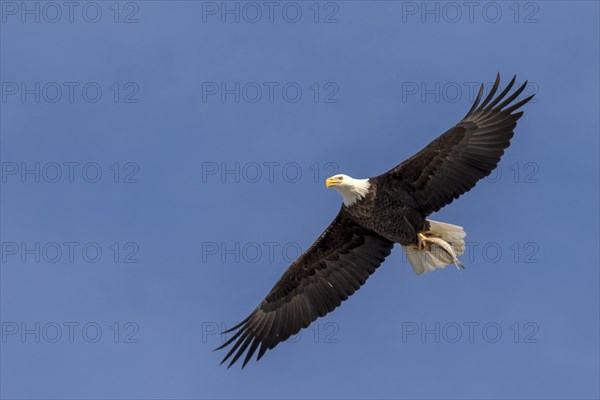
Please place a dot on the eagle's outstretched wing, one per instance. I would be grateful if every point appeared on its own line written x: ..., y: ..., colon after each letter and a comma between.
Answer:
x: 453, y: 163
x: 332, y: 269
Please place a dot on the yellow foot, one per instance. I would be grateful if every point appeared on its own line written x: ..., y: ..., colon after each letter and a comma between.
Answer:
x: 422, y: 240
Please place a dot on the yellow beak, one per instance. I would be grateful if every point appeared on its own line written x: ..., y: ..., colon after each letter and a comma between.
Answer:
x: 330, y: 182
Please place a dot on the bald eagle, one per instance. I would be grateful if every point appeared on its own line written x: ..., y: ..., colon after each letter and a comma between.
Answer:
x: 377, y: 213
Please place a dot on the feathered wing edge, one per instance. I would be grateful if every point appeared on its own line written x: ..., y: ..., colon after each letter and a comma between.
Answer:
x: 335, y: 266
x: 455, y: 161
x: 493, y: 105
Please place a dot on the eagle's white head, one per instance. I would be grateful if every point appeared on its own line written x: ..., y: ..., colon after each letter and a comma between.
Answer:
x: 351, y: 189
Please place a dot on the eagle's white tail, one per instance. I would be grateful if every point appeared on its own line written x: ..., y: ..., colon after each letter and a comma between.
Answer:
x: 439, y: 246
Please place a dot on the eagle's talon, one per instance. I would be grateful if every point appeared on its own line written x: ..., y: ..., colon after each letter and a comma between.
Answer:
x: 422, y: 240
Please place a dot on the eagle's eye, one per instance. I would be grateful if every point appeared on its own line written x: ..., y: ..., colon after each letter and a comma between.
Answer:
x: 341, y: 178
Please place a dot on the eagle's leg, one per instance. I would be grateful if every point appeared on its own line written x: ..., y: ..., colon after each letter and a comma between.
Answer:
x: 422, y: 240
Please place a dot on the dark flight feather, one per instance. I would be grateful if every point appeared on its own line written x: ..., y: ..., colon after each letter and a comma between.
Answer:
x: 312, y: 286
x: 453, y: 163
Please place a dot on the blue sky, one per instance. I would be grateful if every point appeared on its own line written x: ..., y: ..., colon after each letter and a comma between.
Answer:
x: 162, y: 163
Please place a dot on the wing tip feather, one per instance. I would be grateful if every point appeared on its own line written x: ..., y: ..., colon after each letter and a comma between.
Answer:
x: 501, y: 101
